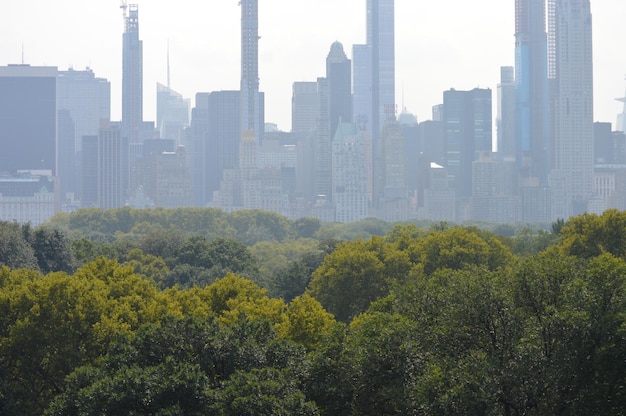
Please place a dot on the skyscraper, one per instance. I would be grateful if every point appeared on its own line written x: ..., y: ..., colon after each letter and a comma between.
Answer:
x: 374, y: 69
x: 216, y: 133
x: 505, y: 122
x: 339, y: 76
x: 305, y: 106
x: 172, y: 113
x: 251, y: 114
x: 27, y: 118
x: 468, y: 130
x: 82, y: 102
x: 349, y: 173
x: 381, y: 36
x: 532, y: 121
x: 112, y: 166
x: 573, y: 103
x: 132, y: 77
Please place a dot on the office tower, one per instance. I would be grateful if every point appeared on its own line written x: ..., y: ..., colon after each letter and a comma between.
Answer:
x: 381, y: 37
x: 67, y: 174
x: 215, y: 134
x: 112, y: 166
x: 362, y: 86
x: 374, y: 69
x: 89, y: 172
x: 173, y: 181
x: 144, y: 171
x: 505, y: 121
x: 305, y: 107
x: 339, y: 76
x: 132, y: 77
x: 491, y: 199
x: 28, y: 118
x: 322, y: 158
x: 87, y: 98
x: 468, y: 131
x: 609, y: 147
x: 439, y: 198
x: 251, y: 115
x: 82, y: 100
x: 394, y: 204
x: 349, y: 167
x: 573, y: 104
x: 172, y: 113
x: 532, y: 122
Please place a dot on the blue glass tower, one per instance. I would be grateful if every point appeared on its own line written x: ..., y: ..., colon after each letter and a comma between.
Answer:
x: 532, y: 122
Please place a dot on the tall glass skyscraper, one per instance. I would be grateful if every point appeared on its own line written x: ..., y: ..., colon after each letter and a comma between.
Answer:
x: 374, y: 69
x: 532, y: 131
x: 381, y: 36
x: 571, y: 29
x: 132, y: 77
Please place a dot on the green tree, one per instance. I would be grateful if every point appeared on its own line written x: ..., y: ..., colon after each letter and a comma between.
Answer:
x: 52, y: 249
x: 348, y: 280
x: 590, y: 235
x: 307, y: 322
x: 52, y: 324
x: 15, y: 251
x: 265, y: 391
x: 192, y: 367
x: 457, y: 248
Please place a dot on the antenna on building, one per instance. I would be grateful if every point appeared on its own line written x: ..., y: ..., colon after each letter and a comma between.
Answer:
x: 124, y: 7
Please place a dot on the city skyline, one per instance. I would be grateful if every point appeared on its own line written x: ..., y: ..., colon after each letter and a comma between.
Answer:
x: 434, y: 51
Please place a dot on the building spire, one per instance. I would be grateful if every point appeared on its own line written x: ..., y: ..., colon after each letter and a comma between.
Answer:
x: 168, y: 64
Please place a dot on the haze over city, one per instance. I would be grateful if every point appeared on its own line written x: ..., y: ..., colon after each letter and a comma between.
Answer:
x: 439, y: 45
x: 310, y: 112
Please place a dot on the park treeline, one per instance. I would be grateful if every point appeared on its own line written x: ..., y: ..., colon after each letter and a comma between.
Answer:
x: 201, y: 312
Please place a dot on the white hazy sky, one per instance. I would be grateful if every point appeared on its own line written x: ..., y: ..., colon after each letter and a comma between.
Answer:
x: 440, y: 44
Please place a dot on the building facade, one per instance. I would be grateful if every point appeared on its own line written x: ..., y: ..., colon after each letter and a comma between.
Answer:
x: 532, y: 120
x: 132, y: 77
x: 350, y: 177
x: 28, y: 118
x: 573, y: 105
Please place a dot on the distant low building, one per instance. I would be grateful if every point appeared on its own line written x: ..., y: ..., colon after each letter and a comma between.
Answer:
x: 27, y: 197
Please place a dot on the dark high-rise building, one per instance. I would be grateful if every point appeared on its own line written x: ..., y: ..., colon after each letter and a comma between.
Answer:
x: 132, y: 78
x: 251, y: 106
x: 571, y: 29
x: 468, y: 130
x: 216, y: 132
x: 28, y: 117
x: 339, y: 76
x: 532, y: 121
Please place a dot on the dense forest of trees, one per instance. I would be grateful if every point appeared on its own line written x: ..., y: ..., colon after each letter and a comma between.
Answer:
x: 200, y: 312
